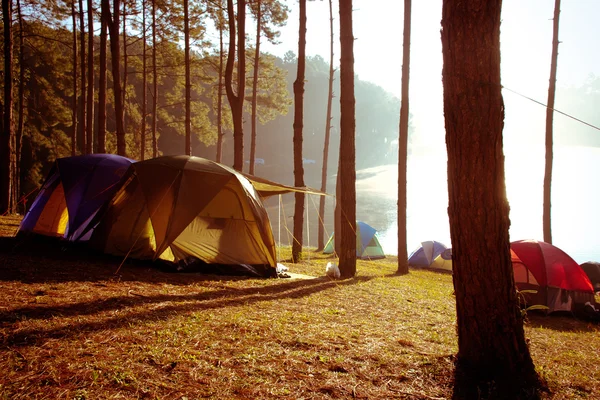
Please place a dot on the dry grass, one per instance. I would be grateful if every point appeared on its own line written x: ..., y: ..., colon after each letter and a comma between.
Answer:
x: 72, y: 329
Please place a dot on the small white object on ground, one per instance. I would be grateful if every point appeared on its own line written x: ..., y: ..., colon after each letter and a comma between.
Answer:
x: 332, y: 270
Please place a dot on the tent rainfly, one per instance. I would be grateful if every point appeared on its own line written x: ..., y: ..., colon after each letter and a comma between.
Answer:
x: 73, y: 193
x: 426, y: 253
x: 367, y: 243
x: 558, y: 281
x: 182, y: 208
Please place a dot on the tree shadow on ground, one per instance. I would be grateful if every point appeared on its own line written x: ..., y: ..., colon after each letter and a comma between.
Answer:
x: 149, y: 309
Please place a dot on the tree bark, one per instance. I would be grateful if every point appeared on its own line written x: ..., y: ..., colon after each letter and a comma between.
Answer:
x: 236, y: 102
x: 115, y: 51
x: 21, y: 111
x: 125, y: 65
x: 255, y: 86
x: 144, y: 83
x: 547, y: 214
x: 347, y: 171
x: 89, y: 125
x: 220, y: 89
x: 82, y: 64
x: 6, y: 135
x: 493, y: 359
x: 321, y: 224
x: 102, y: 82
x: 298, y: 126
x: 154, y: 84
x: 74, y: 112
x: 188, y: 85
x: 403, y: 145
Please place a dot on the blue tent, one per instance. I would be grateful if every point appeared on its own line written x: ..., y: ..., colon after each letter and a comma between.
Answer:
x: 73, y: 193
x: 367, y: 243
x: 426, y: 253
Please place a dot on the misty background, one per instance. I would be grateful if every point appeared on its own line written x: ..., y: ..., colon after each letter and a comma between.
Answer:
x: 526, y: 42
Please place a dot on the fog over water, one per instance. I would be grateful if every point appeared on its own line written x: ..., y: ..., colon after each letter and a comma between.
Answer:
x: 526, y: 45
x: 575, y: 205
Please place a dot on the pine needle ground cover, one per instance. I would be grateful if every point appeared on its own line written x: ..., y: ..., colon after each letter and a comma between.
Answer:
x: 72, y: 327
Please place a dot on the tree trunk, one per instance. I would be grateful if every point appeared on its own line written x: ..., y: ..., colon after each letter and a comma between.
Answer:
x: 547, y: 217
x: 154, y: 84
x: 220, y: 89
x: 298, y: 126
x: 102, y: 83
x: 236, y: 101
x: 21, y: 111
x: 144, y: 83
x: 6, y: 135
x: 403, y: 145
x: 82, y: 64
x: 115, y: 52
x: 188, y: 84
x: 347, y: 170
x: 74, y: 113
x: 125, y: 65
x: 337, y: 212
x: 321, y: 224
x: 89, y: 125
x: 493, y: 358
x: 255, y: 86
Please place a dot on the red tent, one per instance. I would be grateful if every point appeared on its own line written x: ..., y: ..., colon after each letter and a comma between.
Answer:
x: 558, y: 279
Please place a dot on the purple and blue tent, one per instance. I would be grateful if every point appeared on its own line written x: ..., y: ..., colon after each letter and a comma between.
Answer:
x: 75, y: 190
x: 426, y: 253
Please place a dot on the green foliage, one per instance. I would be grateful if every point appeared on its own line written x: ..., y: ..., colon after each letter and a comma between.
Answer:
x: 48, y: 66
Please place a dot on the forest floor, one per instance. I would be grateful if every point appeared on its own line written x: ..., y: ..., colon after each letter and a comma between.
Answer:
x: 78, y: 325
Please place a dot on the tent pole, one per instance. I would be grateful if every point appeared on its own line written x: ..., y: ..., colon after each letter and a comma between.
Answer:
x: 279, y: 230
x: 307, y: 228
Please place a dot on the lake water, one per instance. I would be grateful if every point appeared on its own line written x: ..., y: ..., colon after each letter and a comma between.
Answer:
x: 575, y: 201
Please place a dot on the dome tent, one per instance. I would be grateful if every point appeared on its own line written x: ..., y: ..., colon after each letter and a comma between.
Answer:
x: 181, y: 208
x: 73, y: 193
x: 558, y: 281
x: 426, y: 253
x: 592, y: 270
x: 367, y: 243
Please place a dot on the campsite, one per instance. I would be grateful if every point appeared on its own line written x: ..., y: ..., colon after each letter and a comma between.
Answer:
x: 73, y: 329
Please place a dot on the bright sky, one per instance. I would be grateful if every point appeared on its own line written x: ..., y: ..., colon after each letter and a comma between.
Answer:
x: 526, y: 39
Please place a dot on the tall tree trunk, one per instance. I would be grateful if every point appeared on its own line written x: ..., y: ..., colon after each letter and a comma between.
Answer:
x: 236, y: 102
x: 403, y: 145
x: 493, y: 359
x: 547, y: 217
x: 21, y: 111
x: 220, y: 89
x: 82, y: 64
x: 188, y: 84
x: 6, y: 135
x: 347, y: 170
x: 154, y: 84
x: 144, y: 83
x: 125, y: 65
x: 74, y: 113
x: 89, y: 125
x: 337, y: 212
x: 321, y: 224
x: 102, y: 82
x: 298, y: 126
x: 115, y: 51
x: 255, y: 85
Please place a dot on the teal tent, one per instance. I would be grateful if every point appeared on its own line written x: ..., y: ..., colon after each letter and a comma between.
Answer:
x: 367, y: 243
